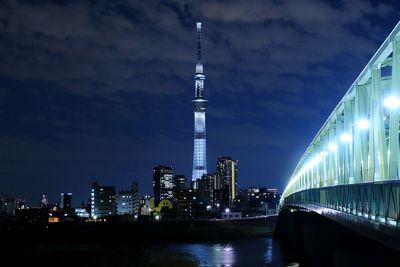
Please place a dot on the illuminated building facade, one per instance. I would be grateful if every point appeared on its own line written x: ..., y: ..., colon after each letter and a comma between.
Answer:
x: 128, y: 201
x: 163, y: 183
x: 125, y: 202
x: 146, y: 205
x: 199, y: 106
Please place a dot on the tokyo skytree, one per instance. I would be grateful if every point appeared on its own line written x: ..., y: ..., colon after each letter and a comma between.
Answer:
x: 199, y: 107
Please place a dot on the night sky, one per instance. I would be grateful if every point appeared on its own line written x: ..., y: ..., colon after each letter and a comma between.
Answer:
x: 101, y: 90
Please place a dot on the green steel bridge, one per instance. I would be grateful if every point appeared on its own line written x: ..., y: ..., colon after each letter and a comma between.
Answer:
x: 350, y: 171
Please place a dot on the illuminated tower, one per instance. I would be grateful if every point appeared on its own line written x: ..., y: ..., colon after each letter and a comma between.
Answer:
x: 199, y: 107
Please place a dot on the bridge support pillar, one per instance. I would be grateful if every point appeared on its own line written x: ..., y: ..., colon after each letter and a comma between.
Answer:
x: 313, y: 240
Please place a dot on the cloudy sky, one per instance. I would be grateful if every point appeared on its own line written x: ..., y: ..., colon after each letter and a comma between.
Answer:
x: 101, y: 90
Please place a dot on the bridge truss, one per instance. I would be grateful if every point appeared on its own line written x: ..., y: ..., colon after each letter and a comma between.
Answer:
x: 353, y: 163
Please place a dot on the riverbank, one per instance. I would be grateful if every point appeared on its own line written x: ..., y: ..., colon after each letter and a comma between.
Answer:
x: 120, y: 244
x: 179, y: 230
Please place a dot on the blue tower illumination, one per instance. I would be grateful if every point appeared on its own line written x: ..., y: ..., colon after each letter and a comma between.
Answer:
x: 199, y: 107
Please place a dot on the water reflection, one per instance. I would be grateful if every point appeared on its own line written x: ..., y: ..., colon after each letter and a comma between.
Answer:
x: 240, y: 252
x: 224, y: 254
x: 268, y: 251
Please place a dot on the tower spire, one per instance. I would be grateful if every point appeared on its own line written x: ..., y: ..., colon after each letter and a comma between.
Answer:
x: 198, y: 24
x: 199, y: 65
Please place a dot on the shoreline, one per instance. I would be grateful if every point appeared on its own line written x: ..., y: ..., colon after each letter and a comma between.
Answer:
x: 141, y: 231
x: 122, y: 244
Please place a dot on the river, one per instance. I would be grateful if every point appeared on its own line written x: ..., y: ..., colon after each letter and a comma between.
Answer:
x: 249, y: 252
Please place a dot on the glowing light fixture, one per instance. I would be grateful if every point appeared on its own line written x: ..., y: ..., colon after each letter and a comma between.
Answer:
x: 332, y: 147
x: 345, y: 138
x: 227, y: 210
x: 317, y: 159
x: 363, y: 124
x: 391, y: 102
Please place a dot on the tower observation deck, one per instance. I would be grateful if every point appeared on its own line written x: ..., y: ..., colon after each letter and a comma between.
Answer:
x: 199, y: 107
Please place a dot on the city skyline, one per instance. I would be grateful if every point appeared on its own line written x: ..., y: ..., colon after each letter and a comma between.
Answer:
x: 106, y: 97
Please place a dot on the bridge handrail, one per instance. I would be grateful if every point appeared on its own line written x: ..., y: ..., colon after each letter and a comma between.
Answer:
x: 376, y: 201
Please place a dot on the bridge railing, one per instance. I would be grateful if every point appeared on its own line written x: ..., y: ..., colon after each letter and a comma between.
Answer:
x: 379, y: 201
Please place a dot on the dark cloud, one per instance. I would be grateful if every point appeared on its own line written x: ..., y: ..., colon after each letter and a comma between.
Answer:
x: 103, y: 88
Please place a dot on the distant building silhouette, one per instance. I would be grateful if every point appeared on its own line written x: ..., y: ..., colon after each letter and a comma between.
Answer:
x: 8, y: 206
x: 66, y: 204
x: 44, y: 202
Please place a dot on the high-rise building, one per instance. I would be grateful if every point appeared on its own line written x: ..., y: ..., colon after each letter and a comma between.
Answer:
x: 66, y: 204
x: 163, y: 183
x: 187, y: 204
x: 206, y: 189
x: 135, y: 196
x: 221, y: 198
x: 103, y: 201
x: 180, y: 183
x: 124, y: 202
x: 128, y: 201
x: 199, y: 106
x: 216, y: 180
x: 227, y: 172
